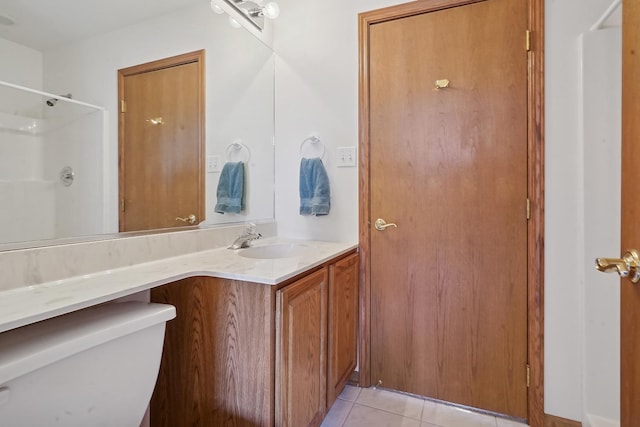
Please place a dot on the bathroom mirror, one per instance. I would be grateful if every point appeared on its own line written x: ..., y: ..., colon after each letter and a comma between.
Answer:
x: 73, y: 49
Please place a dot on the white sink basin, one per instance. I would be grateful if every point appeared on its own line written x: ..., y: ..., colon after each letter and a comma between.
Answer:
x: 273, y: 251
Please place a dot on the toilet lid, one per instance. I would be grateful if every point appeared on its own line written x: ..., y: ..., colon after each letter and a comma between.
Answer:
x: 31, y: 347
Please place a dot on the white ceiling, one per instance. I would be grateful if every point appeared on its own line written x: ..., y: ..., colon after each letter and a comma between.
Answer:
x: 43, y: 24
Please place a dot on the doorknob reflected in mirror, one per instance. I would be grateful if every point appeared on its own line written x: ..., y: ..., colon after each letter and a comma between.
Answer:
x: 191, y: 219
x: 381, y: 224
x: 627, y: 266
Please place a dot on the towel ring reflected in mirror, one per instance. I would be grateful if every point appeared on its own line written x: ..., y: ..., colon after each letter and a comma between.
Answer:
x: 237, y: 147
x: 314, y: 141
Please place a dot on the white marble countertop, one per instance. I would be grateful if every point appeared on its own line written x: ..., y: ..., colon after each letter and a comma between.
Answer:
x: 25, y: 305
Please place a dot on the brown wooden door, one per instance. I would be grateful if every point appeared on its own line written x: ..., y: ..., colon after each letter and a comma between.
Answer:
x: 630, y: 233
x: 162, y: 143
x: 449, y: 167
x: 301, y: 352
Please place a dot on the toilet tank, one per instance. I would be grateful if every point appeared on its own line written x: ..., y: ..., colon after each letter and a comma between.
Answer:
x: 90, y: 368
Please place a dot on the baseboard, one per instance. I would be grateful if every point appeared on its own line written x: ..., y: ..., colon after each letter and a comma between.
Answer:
x: 553, y: 421
x: 597, y: 421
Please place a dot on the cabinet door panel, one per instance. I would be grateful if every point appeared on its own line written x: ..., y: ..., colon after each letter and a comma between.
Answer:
x: 217, y: 360
x: 343, y: 324
x: 301, y: 337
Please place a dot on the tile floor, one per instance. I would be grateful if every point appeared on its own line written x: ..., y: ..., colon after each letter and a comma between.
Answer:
x: 370, y: 407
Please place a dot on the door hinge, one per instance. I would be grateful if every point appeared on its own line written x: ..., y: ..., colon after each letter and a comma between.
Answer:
x: 123, y: 106
x: 527, y: 43
x: 528, y: 208
x: 528, y: 376
x: 122, y: 205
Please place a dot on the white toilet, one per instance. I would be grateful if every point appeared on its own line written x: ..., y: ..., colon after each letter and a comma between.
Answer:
x: 94, y: 367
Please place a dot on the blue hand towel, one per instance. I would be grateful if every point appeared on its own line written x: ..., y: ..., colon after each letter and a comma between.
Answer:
x: 314, y: 188
x: 231, y: 188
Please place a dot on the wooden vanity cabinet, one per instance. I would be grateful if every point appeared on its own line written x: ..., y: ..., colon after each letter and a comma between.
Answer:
x: 343, y: 324
x: 217, y: 361
x: 248, y: 354
x: 301, y: 349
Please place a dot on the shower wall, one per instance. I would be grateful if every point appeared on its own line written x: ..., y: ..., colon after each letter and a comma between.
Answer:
x: 27, y: 210
x: 36, y: 142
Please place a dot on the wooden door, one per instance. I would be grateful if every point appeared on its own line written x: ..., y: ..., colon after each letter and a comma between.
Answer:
x: 301, y: 351
x: 343, y: 325
x: 448, y: 165
x: 630, y: 233
x: 162, y: 143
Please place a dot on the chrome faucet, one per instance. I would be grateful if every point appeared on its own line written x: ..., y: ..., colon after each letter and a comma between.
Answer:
x: 244, y: 240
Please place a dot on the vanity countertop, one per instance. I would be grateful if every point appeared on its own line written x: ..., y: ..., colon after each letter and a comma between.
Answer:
x: 25, y: 305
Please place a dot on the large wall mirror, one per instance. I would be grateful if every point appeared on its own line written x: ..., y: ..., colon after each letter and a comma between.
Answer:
x: 59, y: 156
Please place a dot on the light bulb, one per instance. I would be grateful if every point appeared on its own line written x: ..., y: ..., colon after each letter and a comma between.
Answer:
x: 234, y: 23
x: 271, y: 10
x: 216, y: 8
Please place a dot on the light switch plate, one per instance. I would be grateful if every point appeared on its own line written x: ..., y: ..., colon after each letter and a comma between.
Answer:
x: 213, y: 164
x: 346, y: 156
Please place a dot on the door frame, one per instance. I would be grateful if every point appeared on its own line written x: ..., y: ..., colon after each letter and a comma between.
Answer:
x: 535, y: 166
x: 197, y: 57
x: 629, y: 231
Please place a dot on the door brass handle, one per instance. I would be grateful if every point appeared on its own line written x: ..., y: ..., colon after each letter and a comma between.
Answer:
x: 191, y: 219
x: 627, y: 266
x: 382, y: 225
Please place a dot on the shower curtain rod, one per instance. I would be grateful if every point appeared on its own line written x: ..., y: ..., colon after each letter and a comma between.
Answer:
x: 607, y: 13
x: 49, y: 95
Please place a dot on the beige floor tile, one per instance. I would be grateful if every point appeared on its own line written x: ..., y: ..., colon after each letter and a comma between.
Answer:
x: 389, y: 401
x: 450, y: 416
x: 337, y: 414
x: 350, y: 393
x: 365, y: 416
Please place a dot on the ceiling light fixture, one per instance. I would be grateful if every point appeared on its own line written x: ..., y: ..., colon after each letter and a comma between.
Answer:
x: 270, y: 10
x: 252, y: 10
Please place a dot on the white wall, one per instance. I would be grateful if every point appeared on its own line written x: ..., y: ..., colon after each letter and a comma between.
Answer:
x: 316, y: 46
x: 317, y: 76
x: 20, y: 65
x: 602, y: 88
x: 566, y: 255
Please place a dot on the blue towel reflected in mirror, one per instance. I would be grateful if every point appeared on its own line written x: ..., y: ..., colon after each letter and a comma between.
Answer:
x: 231, y: 188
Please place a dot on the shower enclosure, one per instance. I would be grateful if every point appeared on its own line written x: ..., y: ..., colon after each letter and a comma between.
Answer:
x: 51, y: 166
